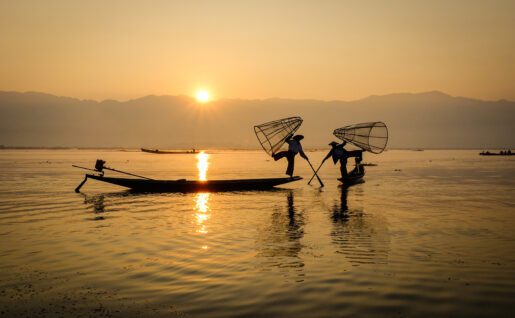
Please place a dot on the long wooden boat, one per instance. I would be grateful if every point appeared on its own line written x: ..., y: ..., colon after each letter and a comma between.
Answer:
x: 169, y: 152
x: 183, y: 185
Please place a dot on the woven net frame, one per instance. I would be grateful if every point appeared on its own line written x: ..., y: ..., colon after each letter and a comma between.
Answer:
x: 273, y: 134
x: 371, y: 136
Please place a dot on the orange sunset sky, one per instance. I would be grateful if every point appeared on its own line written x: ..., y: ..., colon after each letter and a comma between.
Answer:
x: 258, y: 49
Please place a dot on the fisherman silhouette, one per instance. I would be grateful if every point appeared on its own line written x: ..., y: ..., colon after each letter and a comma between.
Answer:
x: 338, y: 153
x: 294, y: 148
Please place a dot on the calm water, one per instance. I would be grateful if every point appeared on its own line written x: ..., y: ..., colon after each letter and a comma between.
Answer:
x: 429, y: 234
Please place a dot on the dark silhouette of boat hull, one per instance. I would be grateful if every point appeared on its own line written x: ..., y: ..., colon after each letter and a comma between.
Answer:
x: 354, y: 177
x: 165, y: 152
x: 183, y: 185
x: 496, y: 154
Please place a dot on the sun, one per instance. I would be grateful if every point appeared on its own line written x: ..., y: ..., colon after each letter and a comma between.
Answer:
x: 202, y: 96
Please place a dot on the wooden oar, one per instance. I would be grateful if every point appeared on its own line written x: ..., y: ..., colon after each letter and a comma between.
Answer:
x: 316, y: 172
x: 319, y: 180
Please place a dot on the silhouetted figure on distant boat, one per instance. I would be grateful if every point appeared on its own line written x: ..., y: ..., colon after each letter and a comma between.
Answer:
x: 340, y: 212
x: 294, y: 148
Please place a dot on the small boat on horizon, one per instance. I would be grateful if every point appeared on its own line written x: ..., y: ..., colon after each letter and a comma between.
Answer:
x: 169, y: 152
x: 501, y: 153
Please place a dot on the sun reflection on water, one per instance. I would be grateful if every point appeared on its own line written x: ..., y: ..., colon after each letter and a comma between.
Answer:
x: 202, y: 211
x: 202, y: 164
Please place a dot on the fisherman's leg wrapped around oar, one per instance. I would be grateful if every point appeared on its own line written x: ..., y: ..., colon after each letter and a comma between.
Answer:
x: 291, y: 164
x: 290, y: 156
x: 343, y: 166
x: 280, y: 155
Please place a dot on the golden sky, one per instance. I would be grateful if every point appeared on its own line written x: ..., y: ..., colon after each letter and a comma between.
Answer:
x: 258, y: 48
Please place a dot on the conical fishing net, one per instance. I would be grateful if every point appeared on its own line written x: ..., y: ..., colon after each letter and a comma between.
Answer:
x: 272, y: 135
x: 371, y: 137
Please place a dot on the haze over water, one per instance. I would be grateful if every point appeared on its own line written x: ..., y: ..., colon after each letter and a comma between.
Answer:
x: 429, y: 233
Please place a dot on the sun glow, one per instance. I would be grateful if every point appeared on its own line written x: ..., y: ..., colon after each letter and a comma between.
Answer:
x: 202, y: 164
x: 202, y: 96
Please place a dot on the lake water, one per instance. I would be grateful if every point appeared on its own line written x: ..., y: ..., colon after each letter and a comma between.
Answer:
x: 429, y: 234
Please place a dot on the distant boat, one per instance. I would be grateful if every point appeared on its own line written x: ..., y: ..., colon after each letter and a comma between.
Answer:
x: 170, y: 152
x: 502, y: 153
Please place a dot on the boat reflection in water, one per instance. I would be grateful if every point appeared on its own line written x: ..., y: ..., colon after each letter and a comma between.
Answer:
x: 98, y: 205
x: 362, y: 237
x: 279, y: 243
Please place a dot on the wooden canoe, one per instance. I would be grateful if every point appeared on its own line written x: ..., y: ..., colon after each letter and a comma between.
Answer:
x: 354, y: 177
x: 497, y: 154
x: 169, y: 152
x: 183, y: 185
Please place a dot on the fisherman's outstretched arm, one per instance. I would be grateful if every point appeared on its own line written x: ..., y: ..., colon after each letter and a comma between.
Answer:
x: 329, y: 154
x: 302, y: 154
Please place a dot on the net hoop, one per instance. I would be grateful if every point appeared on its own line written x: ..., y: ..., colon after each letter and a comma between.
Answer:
x: 372, y: 137
x: 273, y: 134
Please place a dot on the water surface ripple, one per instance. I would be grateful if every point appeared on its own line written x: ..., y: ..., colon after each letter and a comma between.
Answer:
x: 429, y: 234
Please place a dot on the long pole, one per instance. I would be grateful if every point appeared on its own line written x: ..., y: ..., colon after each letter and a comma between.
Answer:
x: 316, y: 172
x: 130, y: 174
x: 115, y: 170
x: 319, y: 180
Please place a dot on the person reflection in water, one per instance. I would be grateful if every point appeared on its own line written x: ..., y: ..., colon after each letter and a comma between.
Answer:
x: 294, y: 148
x: 340, y: 212
x: 279, y: 244
x: 294, y: 227
x: 361, y: 238
x: 338, y: 153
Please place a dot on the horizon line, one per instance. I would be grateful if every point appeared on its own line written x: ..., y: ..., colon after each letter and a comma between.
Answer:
x: 434, y: 92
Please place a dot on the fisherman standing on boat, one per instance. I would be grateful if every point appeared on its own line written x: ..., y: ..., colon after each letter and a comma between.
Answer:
x: 294, y: 148
x: 338, y: 153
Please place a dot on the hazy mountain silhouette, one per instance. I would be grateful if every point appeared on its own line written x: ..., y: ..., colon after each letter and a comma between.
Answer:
x: 425, y: 120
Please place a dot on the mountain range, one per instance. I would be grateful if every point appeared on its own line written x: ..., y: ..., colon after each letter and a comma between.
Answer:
x: 421, y: 120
